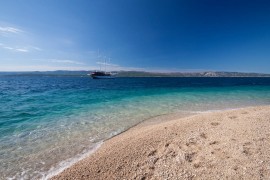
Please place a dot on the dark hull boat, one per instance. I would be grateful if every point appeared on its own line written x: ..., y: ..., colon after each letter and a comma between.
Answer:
x: 101, y: 75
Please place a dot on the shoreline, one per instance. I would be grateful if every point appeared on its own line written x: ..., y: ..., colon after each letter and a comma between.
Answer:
x: 120, y: 138
x: 54, y: 171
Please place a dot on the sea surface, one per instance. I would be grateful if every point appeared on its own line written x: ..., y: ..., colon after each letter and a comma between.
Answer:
x: 48, y: 123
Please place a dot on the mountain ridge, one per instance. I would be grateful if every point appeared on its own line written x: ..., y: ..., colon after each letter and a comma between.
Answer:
x: 139, y: 74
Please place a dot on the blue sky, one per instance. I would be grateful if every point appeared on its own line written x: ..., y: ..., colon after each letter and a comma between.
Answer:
x: 152, y: 35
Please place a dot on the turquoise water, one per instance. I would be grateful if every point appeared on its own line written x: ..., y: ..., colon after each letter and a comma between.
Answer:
x: 48, y: 123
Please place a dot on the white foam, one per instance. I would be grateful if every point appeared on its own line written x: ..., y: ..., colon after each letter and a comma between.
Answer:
x: 69, y: 162
x: 216, y: 110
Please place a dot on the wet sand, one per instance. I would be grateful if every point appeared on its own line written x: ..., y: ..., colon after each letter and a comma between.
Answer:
x: 232, y: 144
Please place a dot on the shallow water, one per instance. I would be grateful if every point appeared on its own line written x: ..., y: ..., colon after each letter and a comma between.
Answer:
x: 50, y: 122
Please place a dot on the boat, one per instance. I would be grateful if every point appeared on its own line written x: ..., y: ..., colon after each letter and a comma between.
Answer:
x: 102, y: 75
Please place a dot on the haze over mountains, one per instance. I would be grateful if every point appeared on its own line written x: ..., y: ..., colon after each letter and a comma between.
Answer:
x: 138, y: 74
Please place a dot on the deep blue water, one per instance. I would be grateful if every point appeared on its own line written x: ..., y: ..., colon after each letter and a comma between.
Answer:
x: 48, y: 120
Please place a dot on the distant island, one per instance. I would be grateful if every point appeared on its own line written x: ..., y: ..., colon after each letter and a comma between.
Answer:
x: 189, y: 74
x: 138, y: 74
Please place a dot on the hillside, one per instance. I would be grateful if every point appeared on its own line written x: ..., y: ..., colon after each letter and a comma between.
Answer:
x: 138, y: 74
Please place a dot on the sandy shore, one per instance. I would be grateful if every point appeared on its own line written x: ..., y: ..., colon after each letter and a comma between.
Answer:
x: 232, y: 144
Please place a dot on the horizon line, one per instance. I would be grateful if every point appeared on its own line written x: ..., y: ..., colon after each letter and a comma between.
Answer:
x: 145, y: 71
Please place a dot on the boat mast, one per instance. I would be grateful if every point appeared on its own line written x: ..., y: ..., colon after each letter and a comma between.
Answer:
x: 105, y: 63
x: 98, y: 60
x: 109, y: 63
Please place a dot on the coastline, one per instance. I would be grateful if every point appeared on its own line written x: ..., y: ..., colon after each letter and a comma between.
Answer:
x: 230, y: 143
x: 54, y: 171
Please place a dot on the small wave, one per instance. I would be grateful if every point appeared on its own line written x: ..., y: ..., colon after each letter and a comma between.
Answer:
x: 217, y: 110
x: 69, y: 162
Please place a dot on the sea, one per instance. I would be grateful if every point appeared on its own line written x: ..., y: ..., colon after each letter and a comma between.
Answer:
x: 49, y: 123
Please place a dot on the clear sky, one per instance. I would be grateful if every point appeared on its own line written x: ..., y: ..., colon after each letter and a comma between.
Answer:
x: 153, y: 35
